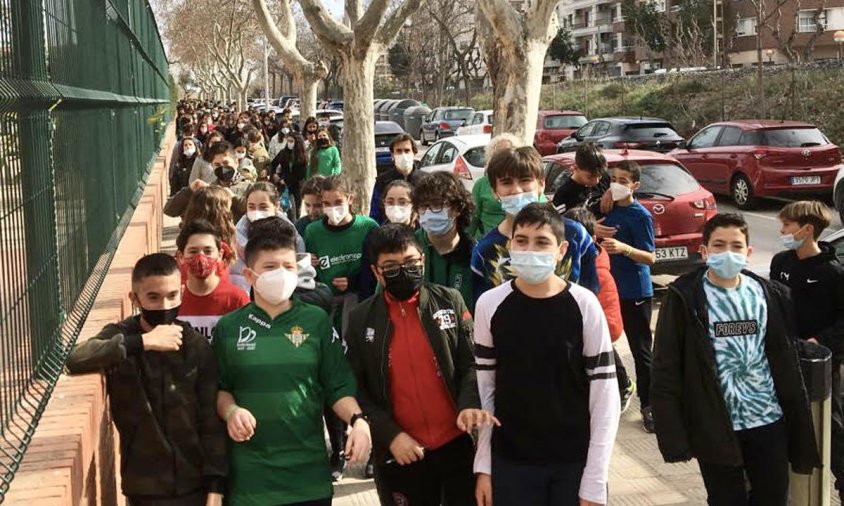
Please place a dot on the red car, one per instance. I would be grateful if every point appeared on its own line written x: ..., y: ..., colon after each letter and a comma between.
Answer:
x: 679, y: 205
x: 761, y: 158
x: 554, y: 126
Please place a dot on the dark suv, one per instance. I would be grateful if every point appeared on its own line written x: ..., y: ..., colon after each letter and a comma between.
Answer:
x: 444, y: 122
x: 650, y: 134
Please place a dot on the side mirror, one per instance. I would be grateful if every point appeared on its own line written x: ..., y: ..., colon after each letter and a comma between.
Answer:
x: 573, y: 135
x: 463, y: 123
x: 683, y: 145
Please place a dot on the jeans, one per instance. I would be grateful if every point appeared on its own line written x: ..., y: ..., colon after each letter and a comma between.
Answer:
x: 519, y: 484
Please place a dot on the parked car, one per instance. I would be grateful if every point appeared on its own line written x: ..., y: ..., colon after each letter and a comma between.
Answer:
x: 679, y: 205
x: 761, y: 158
x: 443, y: 122
x: 336, y: 105
x: 465, y: 155
x: 838, y: 193
x: 554, y: 126
x: 285, y: 101
x: 480, y: 123
x: 385, y: 132
x: 651, y: 134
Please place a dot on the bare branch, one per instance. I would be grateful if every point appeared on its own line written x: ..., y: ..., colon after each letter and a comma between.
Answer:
x: 353, y: 8
x: 503, y: 19
x: 324, y: 25
x: 367, y: 26
x: 394, y: 22
x: 538, y: 16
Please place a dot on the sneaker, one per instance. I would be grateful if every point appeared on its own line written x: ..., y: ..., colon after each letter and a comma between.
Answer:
x: 648, y: 420
x: 627, y: 394
x: 338, y: 465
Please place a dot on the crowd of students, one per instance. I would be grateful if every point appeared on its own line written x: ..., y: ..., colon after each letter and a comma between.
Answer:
x: 465, y: 338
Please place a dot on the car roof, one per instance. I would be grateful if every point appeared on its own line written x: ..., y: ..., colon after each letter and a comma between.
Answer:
x: 627, y: 120
x: 615, y: 156
x: 387, y: 127
x: 560, y: 113
x: 756, y: 124
x: 454, y: 107
x: 469, y: 141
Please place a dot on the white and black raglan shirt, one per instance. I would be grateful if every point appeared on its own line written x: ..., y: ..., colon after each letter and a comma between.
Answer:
x: 545, y: 369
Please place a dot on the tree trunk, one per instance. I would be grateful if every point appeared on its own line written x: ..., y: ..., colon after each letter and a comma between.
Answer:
x: 358, y: 129
x: 307, y: 85
x: 520, y: 99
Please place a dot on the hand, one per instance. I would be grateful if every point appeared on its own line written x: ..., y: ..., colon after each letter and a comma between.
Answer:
x: 604, y: 231
x: 406, y: 450
x: 483, y: 490
x: 163, y: 338
x: 607, y: 202
x: 584, y: 502
x: 241, y: 425
x: 341, y: 284
x: 614, y: 247
x: 359, y: 442
x: 214, y: 500
x: 197, y: 184
x: 468, y: 419
x: 812, y: 340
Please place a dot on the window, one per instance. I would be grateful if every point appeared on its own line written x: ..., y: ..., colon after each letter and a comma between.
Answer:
x: 645, y: 131
x: 706, y: 138
x: 730, y: 137
x: 431, y: 154
x: 449, y: 153
x: 586, y: 130
x: 555, y: 176
x: 476, y: 157
x: 745, y: 27
x: 561, y: 121
x: 795, y: 138
x: 602, y: 128
x: 667, y: 179
x: 454, y: 114
x: 808, y: 21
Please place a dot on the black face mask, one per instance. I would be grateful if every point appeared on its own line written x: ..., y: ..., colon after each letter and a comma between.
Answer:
x: 404, y: 285
x: 224, y: 174
x: 156, y: 317
x: 322, y: 143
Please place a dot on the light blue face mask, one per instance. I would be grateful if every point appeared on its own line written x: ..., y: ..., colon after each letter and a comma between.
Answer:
x: 533, y: 267
x: 436, y: 223
x: 789, y: 242
x: 512, y: 204
x: 726, y: 265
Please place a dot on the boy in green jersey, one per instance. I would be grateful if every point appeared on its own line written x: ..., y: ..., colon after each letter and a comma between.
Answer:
x: 280, y: 362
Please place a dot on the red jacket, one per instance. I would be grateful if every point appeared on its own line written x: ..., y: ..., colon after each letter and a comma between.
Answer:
x: 608, y: 294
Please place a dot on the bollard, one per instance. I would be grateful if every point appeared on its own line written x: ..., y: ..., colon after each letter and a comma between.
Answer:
x: 816, y: 363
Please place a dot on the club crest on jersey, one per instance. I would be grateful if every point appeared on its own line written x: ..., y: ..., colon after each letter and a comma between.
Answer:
x: 446, y: 319
x: 246, y: 339
x: 297, y: 336
x: 370, y: 335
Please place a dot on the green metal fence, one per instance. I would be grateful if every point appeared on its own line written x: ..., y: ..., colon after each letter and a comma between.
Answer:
x: 84, y: 101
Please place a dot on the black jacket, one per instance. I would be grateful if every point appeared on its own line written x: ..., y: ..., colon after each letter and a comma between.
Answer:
x: 817, y: 289
x: 165, y: 407
x: 688, y: 406
x: 368, y: 339
x: 376, y: 208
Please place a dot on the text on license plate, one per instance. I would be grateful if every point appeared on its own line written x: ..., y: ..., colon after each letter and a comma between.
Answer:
x: 385, y: 149
x: 668, y: 254
x: 798, y: 180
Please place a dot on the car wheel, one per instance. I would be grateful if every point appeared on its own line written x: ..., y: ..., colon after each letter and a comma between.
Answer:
x: 422, y: 138
x: 742, y: 192
x: 437, y: 136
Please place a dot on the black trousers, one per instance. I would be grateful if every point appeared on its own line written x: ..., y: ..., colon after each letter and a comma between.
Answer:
x: 197, y: 498
x: 518, y: 484
x: 837, y: 428
x: 444, y: 477
x: 765, y: 453
x: 620, y: 372
x: 636, y: 316
x: 316, y: 502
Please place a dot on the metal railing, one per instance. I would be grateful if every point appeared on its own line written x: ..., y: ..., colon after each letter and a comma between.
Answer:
x: 84, y: 101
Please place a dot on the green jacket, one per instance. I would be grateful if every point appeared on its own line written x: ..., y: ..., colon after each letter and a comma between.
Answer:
x: 453, y: 270
x: 325, y: 162
x: 448, y: 326
x: 488, y: 213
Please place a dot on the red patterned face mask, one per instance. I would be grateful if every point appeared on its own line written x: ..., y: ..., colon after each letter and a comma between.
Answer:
x: 201, y: 266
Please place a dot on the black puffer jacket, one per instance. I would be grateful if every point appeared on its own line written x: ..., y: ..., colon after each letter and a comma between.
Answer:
x: 689, y: 411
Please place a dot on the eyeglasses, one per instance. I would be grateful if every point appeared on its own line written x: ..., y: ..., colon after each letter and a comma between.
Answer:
x: 411, y: 267
x: 434, y: 207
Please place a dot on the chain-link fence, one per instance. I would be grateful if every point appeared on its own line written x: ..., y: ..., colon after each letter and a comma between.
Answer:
x: 84, y: 100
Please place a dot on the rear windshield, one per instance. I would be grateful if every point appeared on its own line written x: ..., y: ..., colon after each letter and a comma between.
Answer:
x: 476, y: 156
x: 666, y: 179
x: 562, y: 121
x: 384, y: 140
x: 794, y: 138
x: 458, y: 114
x: 649, y: 131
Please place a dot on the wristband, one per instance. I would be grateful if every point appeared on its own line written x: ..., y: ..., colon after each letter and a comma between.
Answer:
x: 230, y: 411
x: 356, y: 417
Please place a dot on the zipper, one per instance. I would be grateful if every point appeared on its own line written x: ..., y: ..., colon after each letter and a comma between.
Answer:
x: 385, y: 362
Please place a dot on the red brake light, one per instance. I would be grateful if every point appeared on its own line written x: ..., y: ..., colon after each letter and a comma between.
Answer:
x: 461, y: 170
x: 707, y: 204
x: 487, y: 129
x: 444, y: 125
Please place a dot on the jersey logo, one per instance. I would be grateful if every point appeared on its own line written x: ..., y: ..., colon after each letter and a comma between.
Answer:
x: 737, y: 328
x: 811, y: 281
x: 370, y: 335
x: 324, y: 262
x: 297, y: 336
x: 785, y: 275
x: 446, y: 319
x: 246, y: 339
x: 458, y: 282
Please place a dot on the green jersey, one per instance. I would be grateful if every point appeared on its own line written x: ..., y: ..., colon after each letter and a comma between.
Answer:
x: 453, y: 269
x: 282, y: 370
x: 339, y: 249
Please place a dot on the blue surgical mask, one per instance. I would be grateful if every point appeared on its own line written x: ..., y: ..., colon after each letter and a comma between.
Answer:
x: 436, y: 222
x: 533, y: 267
x: 726, y: 265
x: 789, y: 242
x: 512, y: 204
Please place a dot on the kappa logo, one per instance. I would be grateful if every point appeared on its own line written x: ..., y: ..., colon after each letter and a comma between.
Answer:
x: 370, y: 335
x: 297, y: 336
x: 446, y: 319
x: 324, y: 262
x: 246, y: 339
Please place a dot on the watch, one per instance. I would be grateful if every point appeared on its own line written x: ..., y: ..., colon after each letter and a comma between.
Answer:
x: 356, y: 417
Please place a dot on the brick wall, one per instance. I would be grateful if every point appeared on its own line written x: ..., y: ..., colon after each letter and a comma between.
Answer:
x: 74, y: 458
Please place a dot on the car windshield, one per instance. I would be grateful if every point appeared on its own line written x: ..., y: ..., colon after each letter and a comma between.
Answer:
x: 649, y: 131
x: 794, y: 138
x: 666, y: 179
x: 458, y: 114
x: 476, y: 156
x: 563, y: 121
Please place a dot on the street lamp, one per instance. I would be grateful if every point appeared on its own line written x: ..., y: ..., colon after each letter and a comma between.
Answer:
x: 839, y: 39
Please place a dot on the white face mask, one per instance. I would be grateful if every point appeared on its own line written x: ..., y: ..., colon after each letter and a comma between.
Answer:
x: 336, y: 214
x: 290, y: 145
x: 398, y: 214
x: 619, y: 191
x: 276, y: 286
x: 404, y: 162
x: 324, y: 124
x: 258, y: 215
x: 240, y: 126
x: 285, y: 130
x: 239, y: 155
x: 189, y: 152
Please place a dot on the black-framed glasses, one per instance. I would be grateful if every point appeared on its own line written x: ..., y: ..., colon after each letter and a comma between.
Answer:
x: 434, y: 207
x: 411, y: 267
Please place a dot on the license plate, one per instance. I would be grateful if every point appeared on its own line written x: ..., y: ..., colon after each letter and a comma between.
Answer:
x: 800, y: 180
x: 385, y: 149
x: 668, y: 254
